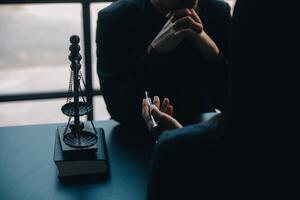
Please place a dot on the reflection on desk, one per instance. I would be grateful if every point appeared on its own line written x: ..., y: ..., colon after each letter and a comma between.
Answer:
x: 27, y: 169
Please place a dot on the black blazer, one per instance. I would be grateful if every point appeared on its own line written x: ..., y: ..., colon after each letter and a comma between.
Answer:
x: 184, y: 163
x: 194, y: 85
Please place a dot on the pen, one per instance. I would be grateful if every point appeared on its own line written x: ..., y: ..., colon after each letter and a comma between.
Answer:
x: 150, y: 104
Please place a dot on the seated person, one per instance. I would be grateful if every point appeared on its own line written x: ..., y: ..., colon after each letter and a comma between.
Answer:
x: 176, y: 171
x: 169, y: 48
x: 194, y: 162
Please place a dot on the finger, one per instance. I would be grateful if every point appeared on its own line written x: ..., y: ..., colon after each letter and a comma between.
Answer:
x: 195, y: 16
x: 179, y: 14
x: 145, y: 110
x: 146, y: 115
x: 156, y: 113
x: 187, y: 22
x: 165, y: 105
x: 169, y: 110
x: 156, y: 101
x: 183, y: 23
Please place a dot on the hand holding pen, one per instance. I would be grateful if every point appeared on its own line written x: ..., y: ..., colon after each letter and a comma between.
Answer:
x: 158, y: 117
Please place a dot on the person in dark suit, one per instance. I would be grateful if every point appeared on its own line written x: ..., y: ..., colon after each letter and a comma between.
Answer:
x: 248, y: 151
x: 173, y: 48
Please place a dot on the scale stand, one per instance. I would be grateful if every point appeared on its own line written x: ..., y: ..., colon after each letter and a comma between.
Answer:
x: 77, y: 137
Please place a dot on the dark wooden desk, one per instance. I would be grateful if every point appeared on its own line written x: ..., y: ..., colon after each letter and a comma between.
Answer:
x: 27, y: 170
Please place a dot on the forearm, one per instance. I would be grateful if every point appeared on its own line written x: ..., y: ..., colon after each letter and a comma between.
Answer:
x: 207, y: 46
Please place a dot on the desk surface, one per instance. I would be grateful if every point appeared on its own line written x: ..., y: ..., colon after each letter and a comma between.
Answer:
x: 27, y: 170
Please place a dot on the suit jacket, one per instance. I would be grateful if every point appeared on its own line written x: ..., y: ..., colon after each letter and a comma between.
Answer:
x: 193, y: 84
x: 186, y: 165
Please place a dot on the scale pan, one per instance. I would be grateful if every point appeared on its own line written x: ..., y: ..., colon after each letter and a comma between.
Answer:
x: 84, y: 140
x: 84, y: 108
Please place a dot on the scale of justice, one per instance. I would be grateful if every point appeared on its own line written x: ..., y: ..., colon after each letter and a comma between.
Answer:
x: 77, y: 137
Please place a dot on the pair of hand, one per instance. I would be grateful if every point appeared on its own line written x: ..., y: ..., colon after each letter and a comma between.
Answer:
x: 180, y: 24
x: 162, y: 113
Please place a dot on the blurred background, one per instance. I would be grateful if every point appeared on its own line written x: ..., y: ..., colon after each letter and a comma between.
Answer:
x: 34, y: 42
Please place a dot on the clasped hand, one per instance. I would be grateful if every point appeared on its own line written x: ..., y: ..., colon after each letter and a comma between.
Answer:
x: 181, y: 23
